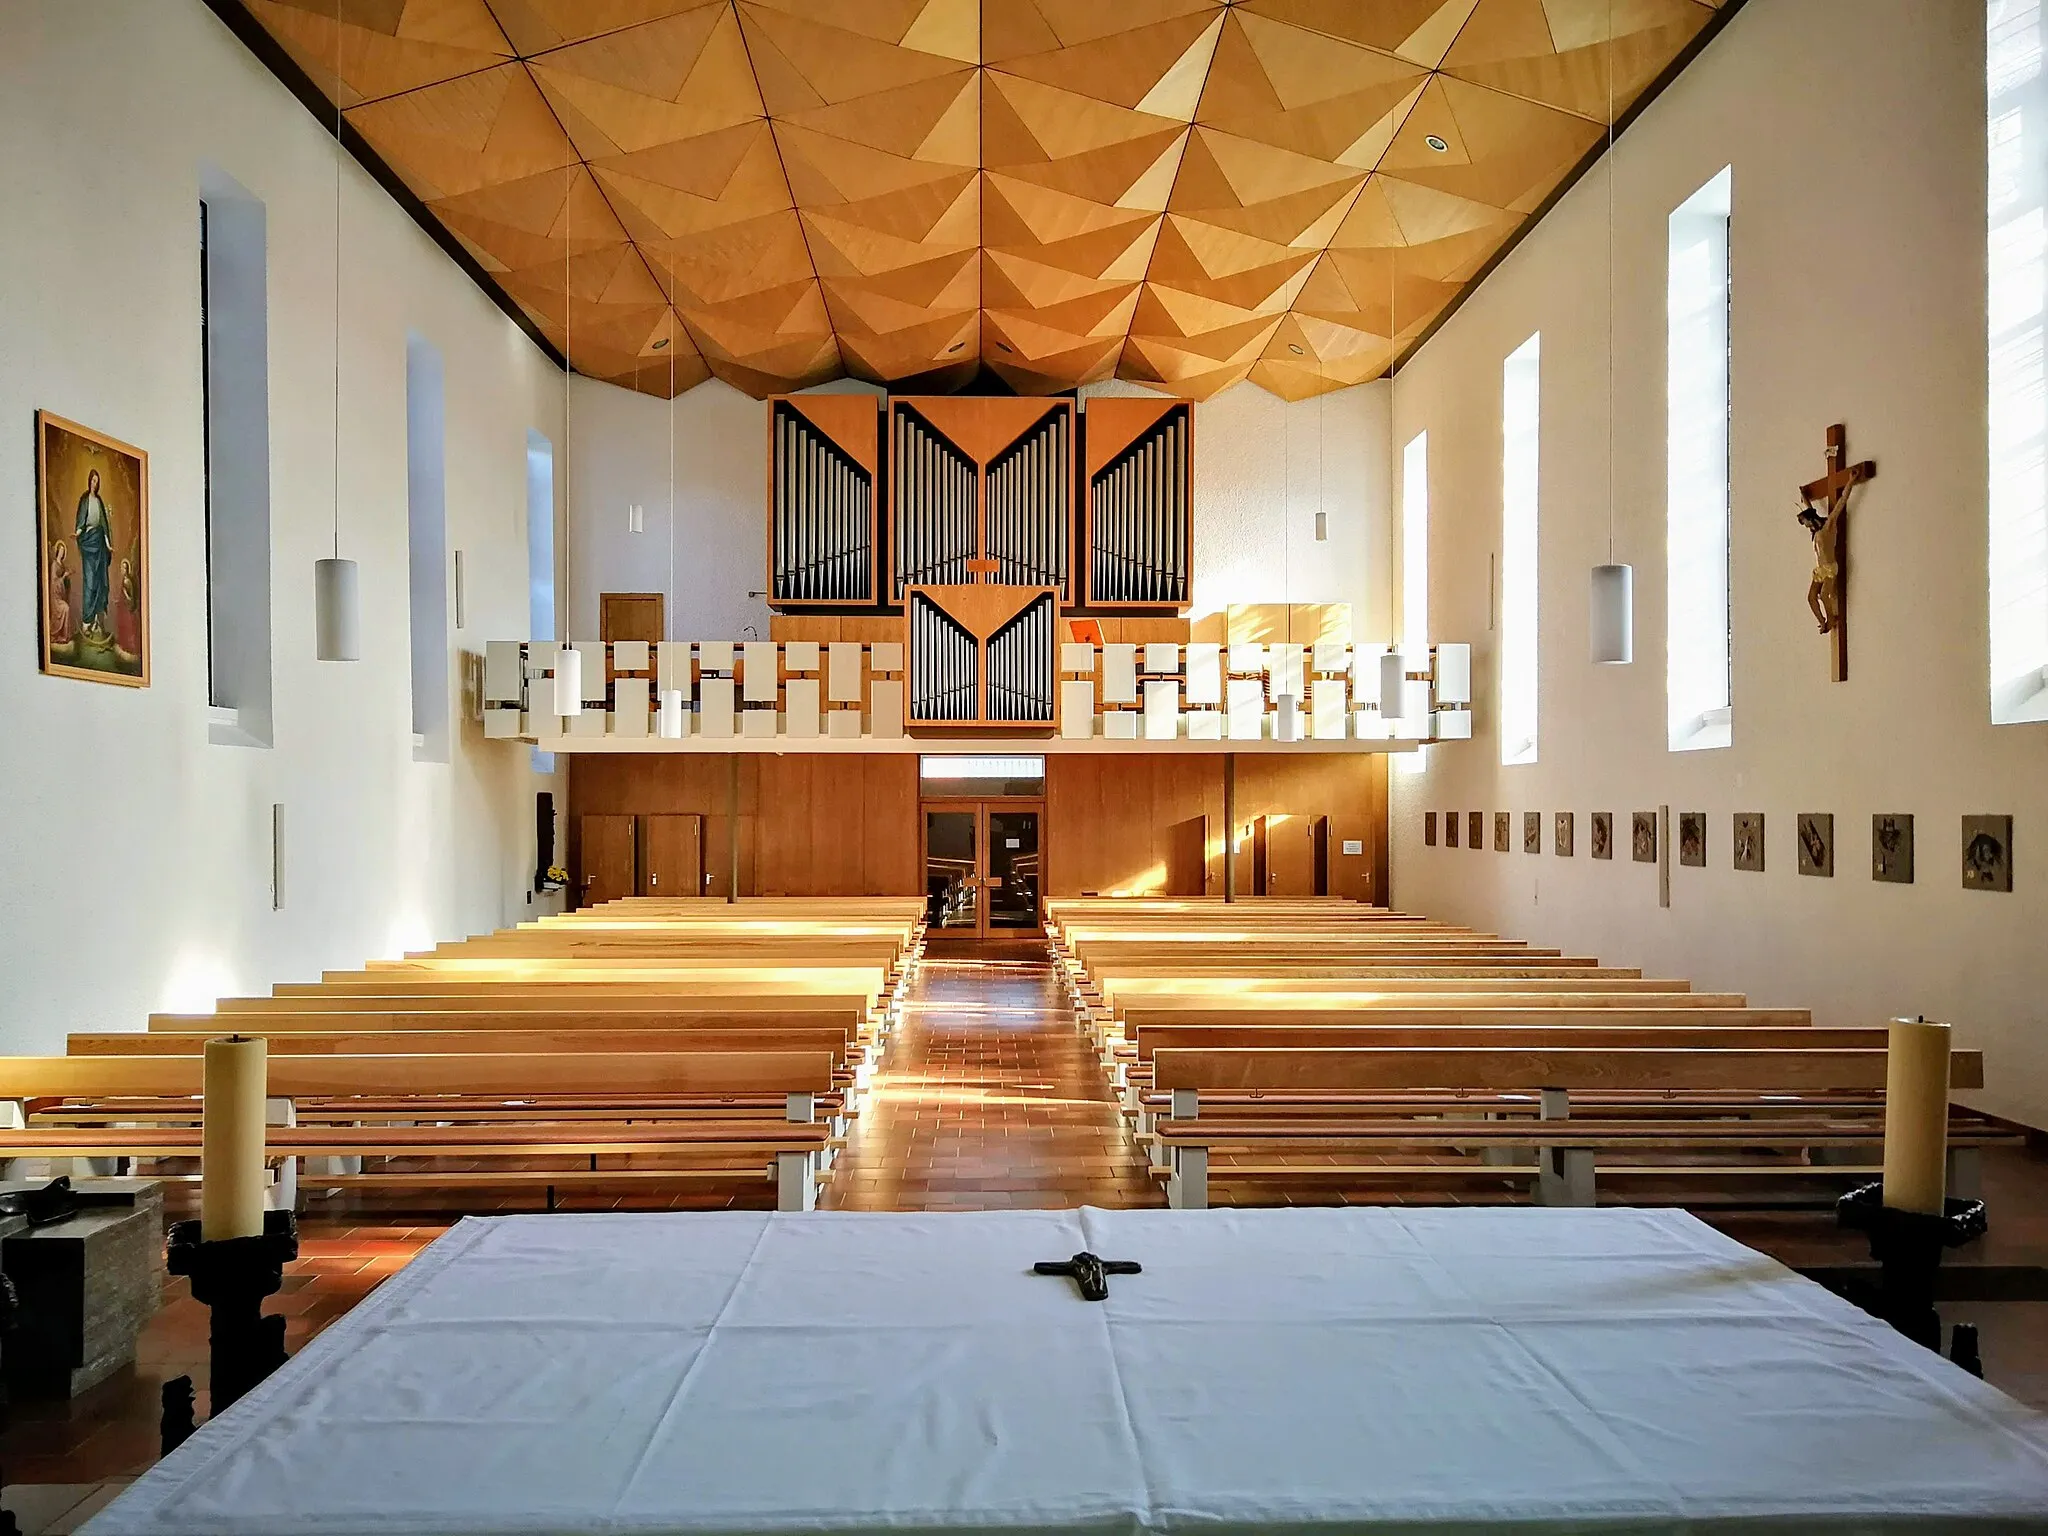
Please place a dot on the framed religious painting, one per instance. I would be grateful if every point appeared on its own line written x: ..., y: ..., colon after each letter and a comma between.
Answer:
x: 92, y: 563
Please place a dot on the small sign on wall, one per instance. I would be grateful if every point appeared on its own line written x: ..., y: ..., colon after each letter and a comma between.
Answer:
x: 1353, y: 845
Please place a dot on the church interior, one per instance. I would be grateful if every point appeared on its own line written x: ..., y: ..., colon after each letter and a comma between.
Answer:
x: 1031, y: 703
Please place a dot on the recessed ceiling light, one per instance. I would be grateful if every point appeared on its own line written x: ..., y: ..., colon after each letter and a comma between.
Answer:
x: 1437, y: 144
x: 661, y: 343
x: 956, y: 346
x: 1295, y: 348
x: 1002, y: 346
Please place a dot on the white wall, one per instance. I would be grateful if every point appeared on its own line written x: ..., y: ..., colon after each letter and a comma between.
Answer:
x: 1856, y: 132
x: 136, y: 854
x: 1262, y: 468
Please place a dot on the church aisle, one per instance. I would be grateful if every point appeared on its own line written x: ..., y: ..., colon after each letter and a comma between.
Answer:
x: 988, y: 1100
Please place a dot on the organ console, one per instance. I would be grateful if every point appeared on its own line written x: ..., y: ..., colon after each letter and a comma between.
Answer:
x: 1138, y: 519
x: 823, y: 456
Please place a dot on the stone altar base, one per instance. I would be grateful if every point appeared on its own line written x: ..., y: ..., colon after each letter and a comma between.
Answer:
x: 87, y: 1286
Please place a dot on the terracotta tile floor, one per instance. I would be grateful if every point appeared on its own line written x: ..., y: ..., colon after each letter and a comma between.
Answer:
x: 988, y: 1098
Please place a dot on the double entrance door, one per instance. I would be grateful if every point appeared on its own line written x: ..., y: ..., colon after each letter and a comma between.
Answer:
x: 982, y: 869
x: 656, y: 855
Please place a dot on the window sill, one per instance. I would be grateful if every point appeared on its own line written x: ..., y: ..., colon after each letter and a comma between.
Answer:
x: 224, y: 728
x: 1704, y: 733
x: 2023, y: 701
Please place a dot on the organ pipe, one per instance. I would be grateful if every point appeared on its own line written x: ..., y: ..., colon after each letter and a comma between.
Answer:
x: 1138, y: 551
x: 822, y: 516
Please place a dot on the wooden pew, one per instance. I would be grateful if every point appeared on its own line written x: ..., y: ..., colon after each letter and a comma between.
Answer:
x: 1567, y: 1145
x: 793, y: 1148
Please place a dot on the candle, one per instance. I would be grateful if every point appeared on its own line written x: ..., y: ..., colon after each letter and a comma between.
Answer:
x: 1916, y: 1117
x: 231, y: 1140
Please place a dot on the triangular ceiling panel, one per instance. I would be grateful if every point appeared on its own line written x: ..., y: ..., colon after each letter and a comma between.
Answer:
x: 1180, y: 192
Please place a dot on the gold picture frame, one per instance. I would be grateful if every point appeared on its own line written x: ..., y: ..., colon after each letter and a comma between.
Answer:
x: 92, y: 554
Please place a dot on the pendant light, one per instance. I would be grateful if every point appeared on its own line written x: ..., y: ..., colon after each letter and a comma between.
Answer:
x: 568, y: 660
x: 337, y: 598
x: 1393, y: 664
x: 668, y: 716
x: 1610, y: 624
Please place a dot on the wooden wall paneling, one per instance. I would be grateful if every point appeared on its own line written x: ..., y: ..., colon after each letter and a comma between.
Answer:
x: 606, y: 868
x: 811, y: 824
x: 1116, y: 823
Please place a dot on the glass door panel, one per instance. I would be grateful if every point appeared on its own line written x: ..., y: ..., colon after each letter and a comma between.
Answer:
x: 1012, y: 870
x: 952, y: 869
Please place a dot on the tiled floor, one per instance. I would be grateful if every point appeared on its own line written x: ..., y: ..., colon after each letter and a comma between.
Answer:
x: 988, y: 1099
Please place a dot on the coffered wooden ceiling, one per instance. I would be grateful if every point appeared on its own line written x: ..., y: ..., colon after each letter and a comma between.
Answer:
x: 1183, y: 192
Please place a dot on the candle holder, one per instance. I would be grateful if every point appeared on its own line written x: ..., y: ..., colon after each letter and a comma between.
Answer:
x: 1908, y: 1246
x: 232, y: 1276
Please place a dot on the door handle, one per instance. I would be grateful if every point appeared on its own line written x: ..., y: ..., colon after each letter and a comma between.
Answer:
x: 652, y: 881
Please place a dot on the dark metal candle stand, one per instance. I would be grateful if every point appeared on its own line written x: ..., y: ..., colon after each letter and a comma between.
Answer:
x: 231, y: 1276
x: 1908, y: 1246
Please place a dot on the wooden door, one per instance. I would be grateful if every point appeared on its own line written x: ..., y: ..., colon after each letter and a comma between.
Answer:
x: 1187, y: 857
x: 632, y: 616
x: 671, y: 855
x: 1296, y: 854
x: 606, y: 859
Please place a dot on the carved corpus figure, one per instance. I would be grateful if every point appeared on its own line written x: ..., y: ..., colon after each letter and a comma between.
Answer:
x: 1824, y: 514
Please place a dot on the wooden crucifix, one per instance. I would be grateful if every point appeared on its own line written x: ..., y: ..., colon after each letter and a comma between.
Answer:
x: 1824, y: 513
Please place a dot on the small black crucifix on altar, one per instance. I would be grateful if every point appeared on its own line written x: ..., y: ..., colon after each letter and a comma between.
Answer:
x: 1824, y: 513
x: 1090, y: 1273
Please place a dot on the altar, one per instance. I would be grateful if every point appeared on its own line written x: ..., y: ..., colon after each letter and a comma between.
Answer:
x: 1376, y: 1369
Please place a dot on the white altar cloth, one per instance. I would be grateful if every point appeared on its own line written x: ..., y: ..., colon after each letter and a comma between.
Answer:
x: 1365, y: 1370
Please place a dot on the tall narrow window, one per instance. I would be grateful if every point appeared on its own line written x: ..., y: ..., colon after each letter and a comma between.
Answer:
x: 540, y: 553
x: 2017, y: 238
x: 1697, y: 679
x: 1520, y: 413
x: 234, y: 342
x: 427, y: 547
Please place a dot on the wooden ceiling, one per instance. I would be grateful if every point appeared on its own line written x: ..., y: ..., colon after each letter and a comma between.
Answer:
x: 1181, y: 192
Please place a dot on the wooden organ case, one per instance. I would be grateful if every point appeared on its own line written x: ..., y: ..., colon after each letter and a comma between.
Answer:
x: 1138, y: 516
x: 981, y: 491
x: 982, y: 655
x: 998, y: 514
x: 823, y: 458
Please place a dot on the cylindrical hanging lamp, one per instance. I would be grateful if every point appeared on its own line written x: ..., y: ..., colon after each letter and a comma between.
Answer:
x: 1611, y: 623
x: 668, y: 723
x: 1287, y: 720
x: 1393, y: 684
x: 568, y: 680
x: 337, y: 611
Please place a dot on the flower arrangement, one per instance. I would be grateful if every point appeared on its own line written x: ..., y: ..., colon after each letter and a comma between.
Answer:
x: 556, y: 878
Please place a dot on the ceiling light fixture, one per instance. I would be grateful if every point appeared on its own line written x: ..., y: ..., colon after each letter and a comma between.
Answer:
x: 1610, y: 624
x: 1295, y: 348
x: 1437, y: 144
x: 337, y: 598
x: 956, y: 346
x: 1002, y: 346
x: 661, y: 343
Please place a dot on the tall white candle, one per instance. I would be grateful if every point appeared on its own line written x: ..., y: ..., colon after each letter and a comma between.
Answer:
x: 1916, y: 1116
x: 231, y: 1139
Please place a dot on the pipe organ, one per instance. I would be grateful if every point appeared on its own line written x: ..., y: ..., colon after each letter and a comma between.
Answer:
x: 933, y: 504
x: 982, y: 655
x: 1031, y: 505
x: 1139, y: 522
x: 981, y: 491
x: 822, y: 544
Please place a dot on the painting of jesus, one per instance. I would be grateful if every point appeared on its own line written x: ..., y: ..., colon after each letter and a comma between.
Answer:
x: 93, y: 511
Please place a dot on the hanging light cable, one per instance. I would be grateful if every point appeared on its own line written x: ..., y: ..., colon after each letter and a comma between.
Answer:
x: 669, y: 714
x: 568, y: 660
x: 1611, y: 610
x: 337, y: 595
